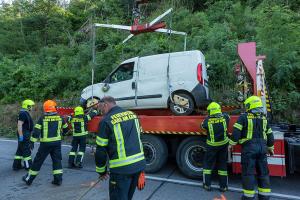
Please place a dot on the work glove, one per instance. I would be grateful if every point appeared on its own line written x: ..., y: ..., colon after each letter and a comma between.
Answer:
x: 21, y: 138
x: 142, y: 181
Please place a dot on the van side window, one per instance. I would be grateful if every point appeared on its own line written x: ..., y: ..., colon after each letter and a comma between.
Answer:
x: 123, y: 73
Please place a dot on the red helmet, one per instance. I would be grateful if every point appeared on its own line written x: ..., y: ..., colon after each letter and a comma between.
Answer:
x: 49, y: 106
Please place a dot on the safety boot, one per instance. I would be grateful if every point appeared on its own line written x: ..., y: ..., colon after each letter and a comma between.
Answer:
x: 57, y: 179
x: 71, y: 165
x: 206, y: 187
x: 223, y: 189
x: 28, y: 179
x: 79, y: 165
x: 17, y: 165
x: 56, y: 182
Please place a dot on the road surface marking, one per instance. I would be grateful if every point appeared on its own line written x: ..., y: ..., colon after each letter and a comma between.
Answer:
x: 233, y: 189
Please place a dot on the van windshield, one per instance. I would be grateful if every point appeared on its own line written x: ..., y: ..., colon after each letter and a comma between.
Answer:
x: 124, y: 72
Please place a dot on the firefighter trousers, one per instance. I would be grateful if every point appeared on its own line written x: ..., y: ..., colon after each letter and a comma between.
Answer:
x: 46, y: 148
x: 78, y: 143
x: 23, y: 153
x: 216, y: 155
x: 122, y: 186
x: 254, y: 160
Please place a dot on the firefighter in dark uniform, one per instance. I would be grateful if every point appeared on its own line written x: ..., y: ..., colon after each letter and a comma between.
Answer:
x: 217, y: 146
x: 119, y: 142
x: 48, y: 130
x: 25, y: 127
x: 79, y: 125
x: 253, y: 132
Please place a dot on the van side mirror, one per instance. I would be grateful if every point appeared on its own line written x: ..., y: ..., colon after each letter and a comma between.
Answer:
x: 105, y: 87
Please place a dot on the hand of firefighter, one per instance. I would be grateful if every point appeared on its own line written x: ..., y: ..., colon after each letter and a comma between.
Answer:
x: 142, y: 181
x: 271, y: 151
x: 103, y: 176
x: 21, y: 138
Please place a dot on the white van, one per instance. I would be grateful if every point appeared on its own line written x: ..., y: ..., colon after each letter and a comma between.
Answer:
x: 173, y: 80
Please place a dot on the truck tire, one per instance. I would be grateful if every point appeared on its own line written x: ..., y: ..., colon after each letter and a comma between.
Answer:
x: 156, y: 152
x: 190, y: 156
x: 180, y: 110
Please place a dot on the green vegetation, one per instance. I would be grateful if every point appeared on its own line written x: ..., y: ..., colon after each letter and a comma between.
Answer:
x: 43, y: 55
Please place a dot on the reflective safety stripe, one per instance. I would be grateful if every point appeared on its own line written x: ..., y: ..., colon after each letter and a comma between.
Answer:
x: 80, y: 134
x: 249, y: 193
x: 82, y: 127
x: 265, y: 128
x: 38, y: 126
x: 32, y: 139
x: 120, y: 141
x: 238, y: 126
x: 271, y: 147
x: 217, y: 143
x: 127, y: 160
x: 65, y: 125
x: 225, y: 129
x: 18, y: 157
x: 138, y: 129
x: 88, y: 117
x: 206, y: 171
x: 211, y: 132
x: 80, y: 153
x: 232, y: 142
x: 101, y: 141
x: 264, y: 191
x: 34, y: 173
x: 250, y: 129
x: 27, y: 158
x: 52, y: 139
x: 222, y: 173
x: 269, y: 131
x: 45, y: 130
x: 72, y: 153
x: 58, y: 171
x: 100, y: 169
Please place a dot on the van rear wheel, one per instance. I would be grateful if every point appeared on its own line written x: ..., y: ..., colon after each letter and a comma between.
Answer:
x: 182, y: 104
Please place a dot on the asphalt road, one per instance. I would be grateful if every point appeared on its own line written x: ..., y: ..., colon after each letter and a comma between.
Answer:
x: 76, y: 183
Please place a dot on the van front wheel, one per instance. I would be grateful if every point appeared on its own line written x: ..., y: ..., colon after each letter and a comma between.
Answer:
x: 182, y: 104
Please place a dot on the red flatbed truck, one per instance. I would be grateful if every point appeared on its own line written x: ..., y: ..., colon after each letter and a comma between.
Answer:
x: 167, y: 135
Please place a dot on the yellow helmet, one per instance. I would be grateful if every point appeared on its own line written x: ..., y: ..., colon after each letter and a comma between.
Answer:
x: 214, y: 108
x: 27, y: 104
x: 253, y: 102
x: 78, y: 111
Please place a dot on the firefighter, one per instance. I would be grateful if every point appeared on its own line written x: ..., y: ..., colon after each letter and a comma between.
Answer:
x: 217, y: 146
x: 118, y: 141
x: 25, y: 127
x: 79, y: 125
x: 48, y: 130
x: 253, y: 132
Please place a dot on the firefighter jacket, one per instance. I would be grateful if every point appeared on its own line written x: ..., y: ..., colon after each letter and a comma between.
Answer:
x: 49, y: 128
x: 252, y: 126
x: 25, y: 117
x: 79, y: 123
x: 216, y: 127
x: 119, y: 141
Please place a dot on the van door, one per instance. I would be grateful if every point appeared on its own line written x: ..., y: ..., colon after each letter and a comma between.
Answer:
x: 152, y: 87
x: 120, y: 84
